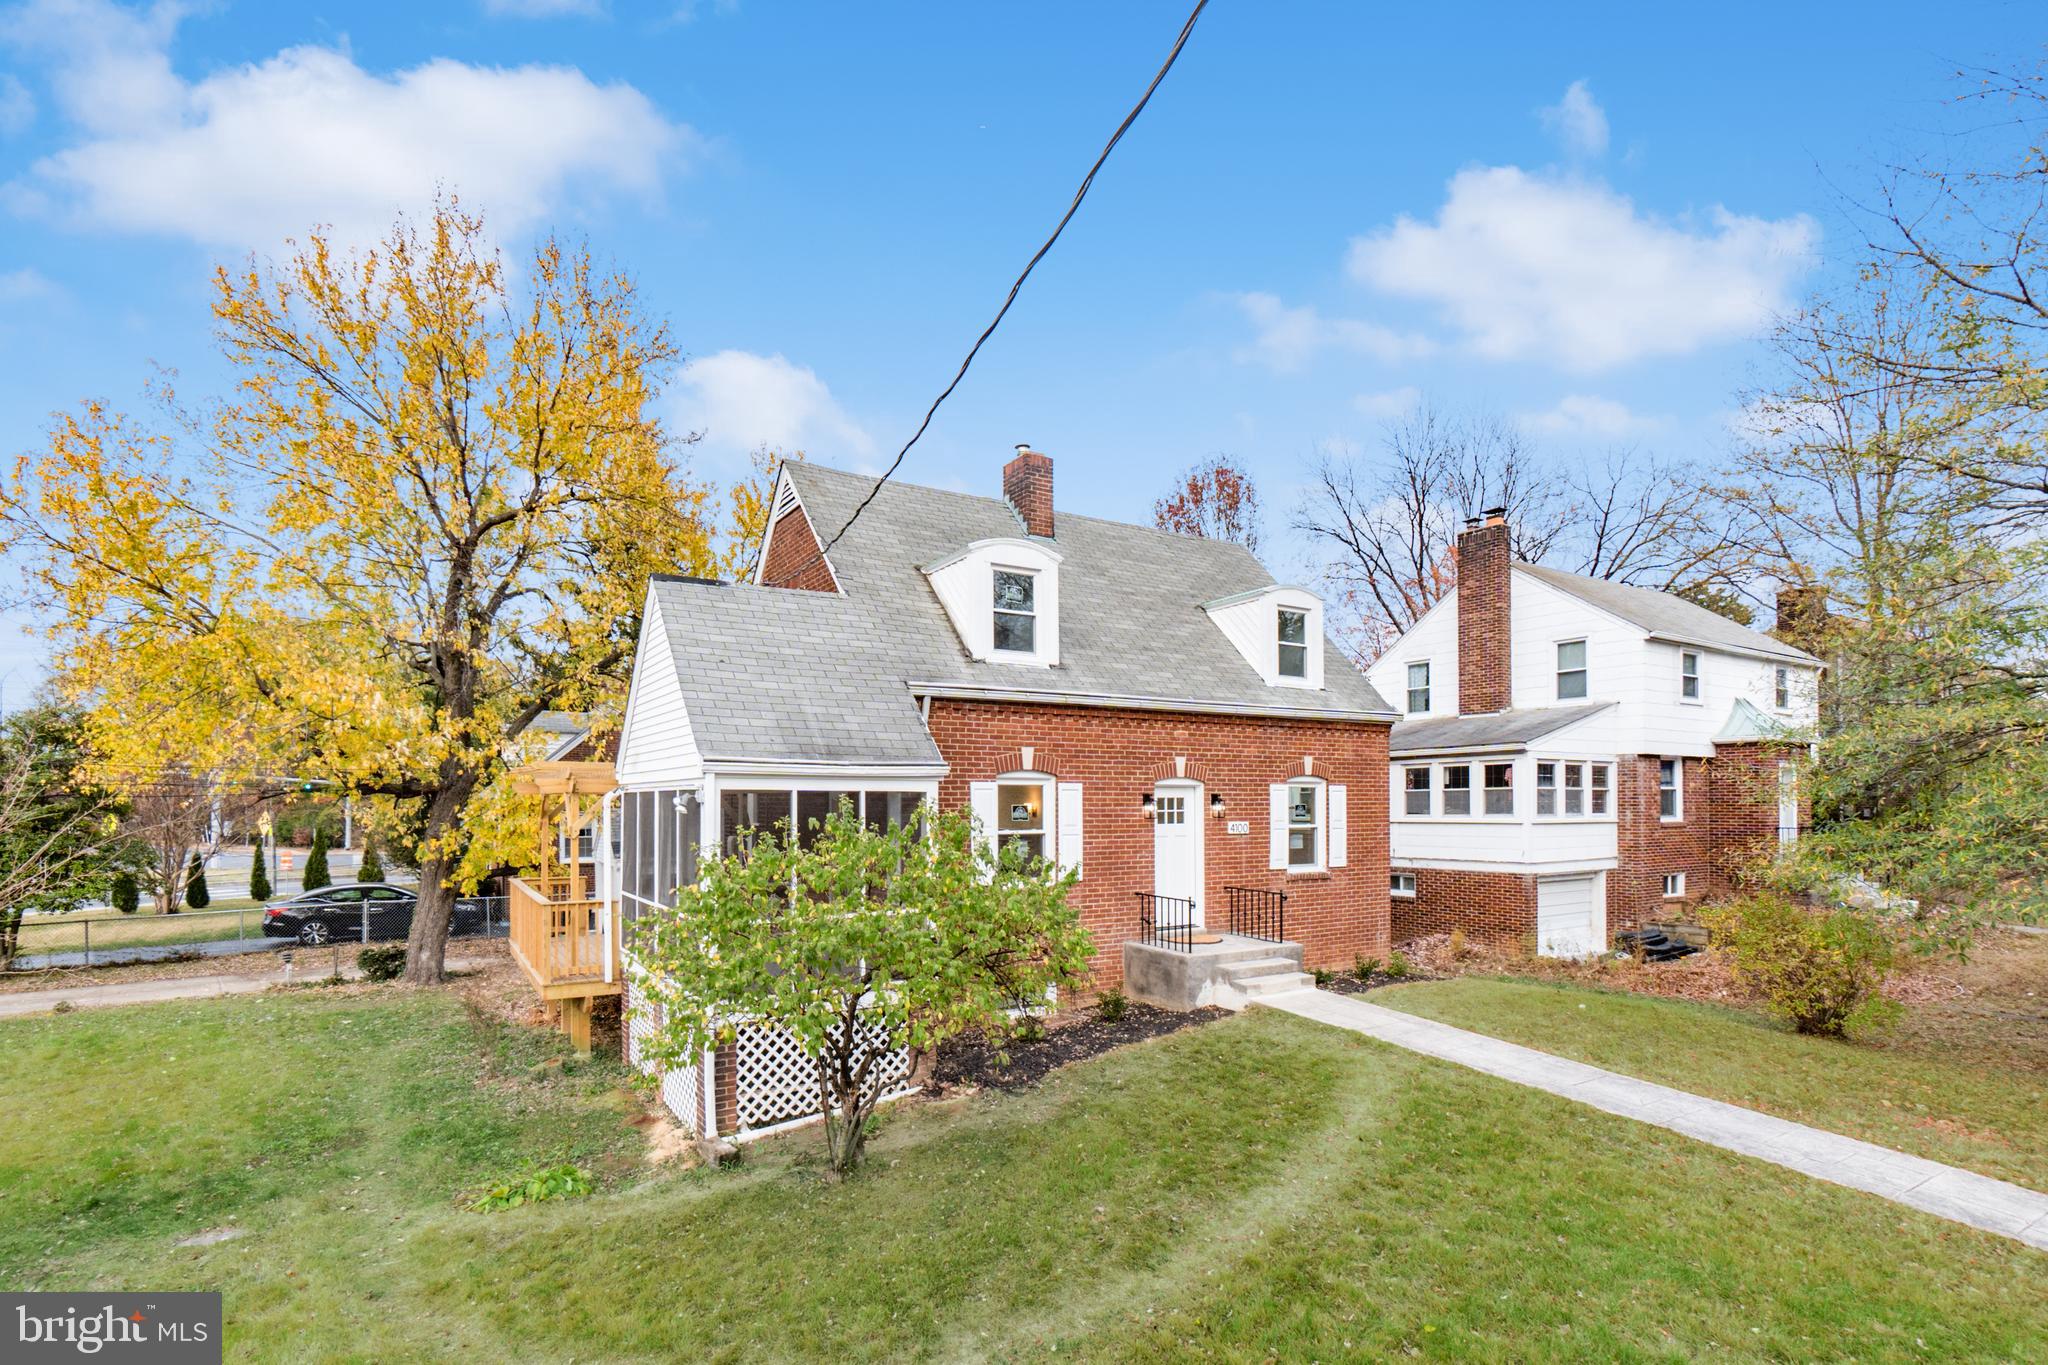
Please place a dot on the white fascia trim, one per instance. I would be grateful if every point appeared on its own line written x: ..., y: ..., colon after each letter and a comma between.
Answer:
x: 958, y: 692
x: 783, y: 480
x: 1519, y: 869
x: 822, y: 768
x: 1459, y: 751
x: 1254, y: 594
x: 1797, y: 659
x: 1035, y: 547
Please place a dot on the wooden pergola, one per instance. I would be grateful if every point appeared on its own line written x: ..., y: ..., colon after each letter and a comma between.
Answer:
x: 562, y: 934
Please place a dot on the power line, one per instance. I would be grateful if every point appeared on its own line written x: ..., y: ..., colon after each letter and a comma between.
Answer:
x: 1072, y: 208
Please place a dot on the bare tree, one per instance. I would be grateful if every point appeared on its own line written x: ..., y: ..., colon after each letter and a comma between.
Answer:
x: 1216, y: 500
x: 1391, y: 522
x: 179, y: 817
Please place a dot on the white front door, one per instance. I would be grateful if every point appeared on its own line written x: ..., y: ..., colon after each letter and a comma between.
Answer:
x: 1788, y: 805
x: 1177, y: 846
x: 1565, y: 916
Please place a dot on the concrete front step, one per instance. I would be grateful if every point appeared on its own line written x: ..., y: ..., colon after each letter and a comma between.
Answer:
x: 1260, y: 966
x: 1209, y: 974
x: 1272, y: 983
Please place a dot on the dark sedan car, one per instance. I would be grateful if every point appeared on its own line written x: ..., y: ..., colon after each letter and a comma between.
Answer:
x: 357, y: 911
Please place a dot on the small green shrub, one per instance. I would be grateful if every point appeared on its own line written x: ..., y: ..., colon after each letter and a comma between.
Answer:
x: 385, y: 962
x: 1111, y: 1006
x: 556, y: 1182
x: 1397, y: 964
x: 126, y: 895
x: 1819, y: 971
x: 1028, y: 1029
x: 196, y: 894
x: 316, y: 874
x: 1323, y: 975
x: 1365, y: 967
x: 259, y: 870
x: 371, y: 869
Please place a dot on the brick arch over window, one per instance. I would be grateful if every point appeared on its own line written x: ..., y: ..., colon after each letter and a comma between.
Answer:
x: 1031, y: 758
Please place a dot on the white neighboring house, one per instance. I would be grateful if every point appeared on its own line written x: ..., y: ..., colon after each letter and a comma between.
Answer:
x: 1578, y: 757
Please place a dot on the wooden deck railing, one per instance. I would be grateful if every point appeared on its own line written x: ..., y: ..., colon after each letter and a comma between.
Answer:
x: 557, y: 933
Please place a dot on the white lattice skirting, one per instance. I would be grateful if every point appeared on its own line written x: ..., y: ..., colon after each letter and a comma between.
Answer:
x: 774, y: 1082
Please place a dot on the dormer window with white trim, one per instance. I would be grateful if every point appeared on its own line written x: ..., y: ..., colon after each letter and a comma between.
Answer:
x: 1278, y: 630
x: 1016, y: 612
x: 1293, y: 643
x: 1003, y: 597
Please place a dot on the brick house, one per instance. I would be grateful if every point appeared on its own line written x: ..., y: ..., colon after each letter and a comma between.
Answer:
x: 1578, y: 757
x: 1150, y: 710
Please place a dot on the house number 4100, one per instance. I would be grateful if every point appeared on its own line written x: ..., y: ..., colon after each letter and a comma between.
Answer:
x: 1239, y: 827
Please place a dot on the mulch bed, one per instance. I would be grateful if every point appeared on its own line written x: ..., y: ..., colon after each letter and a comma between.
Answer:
x: 972, y: 1060
x: 1344, y: 983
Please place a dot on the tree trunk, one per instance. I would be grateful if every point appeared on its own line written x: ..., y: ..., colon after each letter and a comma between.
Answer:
x: 426, y: 947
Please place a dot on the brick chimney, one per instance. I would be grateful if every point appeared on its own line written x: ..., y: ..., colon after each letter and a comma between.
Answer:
x: 1484, y: 560
x: 1802, y: 616
x: 1027, y: 483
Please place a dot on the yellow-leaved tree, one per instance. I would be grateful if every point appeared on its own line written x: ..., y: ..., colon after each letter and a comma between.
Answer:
x: 426, y: 514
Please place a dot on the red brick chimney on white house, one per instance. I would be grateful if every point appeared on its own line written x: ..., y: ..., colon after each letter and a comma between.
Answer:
x: 1027, y: 483
x: 1484, y: 561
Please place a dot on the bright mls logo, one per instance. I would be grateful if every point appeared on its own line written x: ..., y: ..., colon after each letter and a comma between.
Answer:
x: 171, y: 1329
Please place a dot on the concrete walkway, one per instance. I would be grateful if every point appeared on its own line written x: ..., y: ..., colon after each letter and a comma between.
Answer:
x: 173, y: 988
x: 1945, y: 1191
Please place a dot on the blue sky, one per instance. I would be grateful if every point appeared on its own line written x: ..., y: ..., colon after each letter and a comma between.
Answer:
x: 1578, y: 220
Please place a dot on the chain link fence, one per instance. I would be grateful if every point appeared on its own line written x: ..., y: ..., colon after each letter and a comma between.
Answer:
x: 107, y: 938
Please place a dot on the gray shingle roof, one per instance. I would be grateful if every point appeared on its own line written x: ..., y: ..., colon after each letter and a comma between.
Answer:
x: 775, y: 673
x: 1497, y: 730
x: 1666, y: 615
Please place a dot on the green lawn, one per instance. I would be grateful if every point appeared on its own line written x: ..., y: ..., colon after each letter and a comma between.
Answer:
x: 112, y: 929
x: 1941, y: 1101
x: 1260, y: 1186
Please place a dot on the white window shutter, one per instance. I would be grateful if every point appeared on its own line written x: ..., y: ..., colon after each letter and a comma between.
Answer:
x: 1277, y: 844
x: 1069, y: 814
x: 1340, y: 826
x: 981, y: 803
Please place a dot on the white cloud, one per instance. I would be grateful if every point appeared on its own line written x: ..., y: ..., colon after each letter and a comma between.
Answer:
x: 1580, y: 414
x: 1578, y: 121
x: 251, y: 154
x: 17, y: 106
x: 1389, y: 403
x: 1289, y: 337
x: 542, y: 9
x: 27, y: 285
x: 1567, y: 270
x: 741, y: 401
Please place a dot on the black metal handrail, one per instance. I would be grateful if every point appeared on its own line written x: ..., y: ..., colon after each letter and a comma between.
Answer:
x: 1257, y: 913
x: 1166, y: 921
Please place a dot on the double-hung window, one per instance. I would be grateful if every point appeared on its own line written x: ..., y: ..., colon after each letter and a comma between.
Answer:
x: 1601, y: 779
x: 1781, y: 689
x: 1458, y: 789
x: 1688, y: 675
x: 1020, y: 817
x: 1302, y: 850
x: 1418, y: 688
x: 1671, y: 789
x: 1016, y: 611
x: 1546, y: 789
x: 1416, y: 782
x: 1571, y: 670
x: 1500, y: 788
x: 1293, y: 644
x: 1574, y: 789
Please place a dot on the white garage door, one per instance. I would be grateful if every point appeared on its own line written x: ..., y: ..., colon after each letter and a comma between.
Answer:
x: 1565, y: 922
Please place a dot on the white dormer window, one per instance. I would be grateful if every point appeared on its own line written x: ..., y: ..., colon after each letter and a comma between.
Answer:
x: 1016, y: 612
x: 1293, y: 643
x: 1003, y: 598
x: 1278, y: 630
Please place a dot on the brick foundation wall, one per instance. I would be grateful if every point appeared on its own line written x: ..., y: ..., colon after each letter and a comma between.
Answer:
x: 1742, y: 780
x: 1646, y: 847
x: 793, y: 558
x: 1118, y: 756
x: 1491, y: 907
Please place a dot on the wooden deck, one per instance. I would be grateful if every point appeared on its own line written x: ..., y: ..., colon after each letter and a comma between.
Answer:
x: 558, y: 940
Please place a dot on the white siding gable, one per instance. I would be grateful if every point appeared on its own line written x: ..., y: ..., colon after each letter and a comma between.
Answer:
x: 655, y: 741
x: 1434, y: 640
